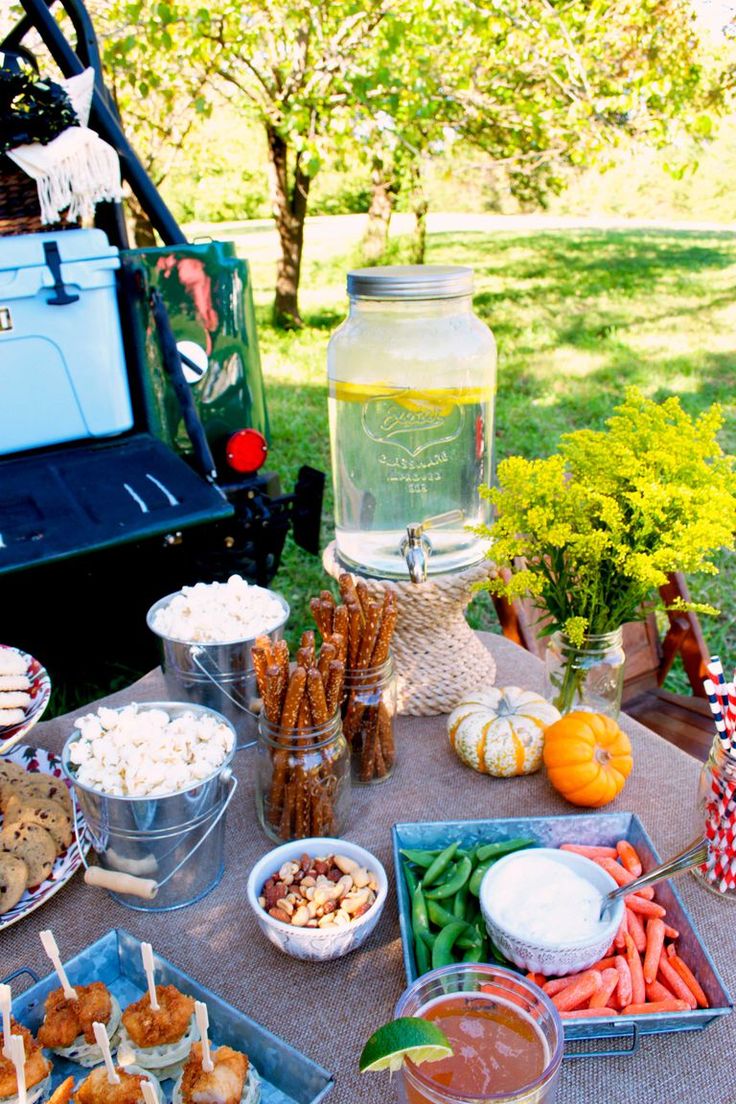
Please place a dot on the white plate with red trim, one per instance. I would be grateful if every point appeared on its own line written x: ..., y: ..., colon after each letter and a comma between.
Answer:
x: 39, y: 761
x: 40, y: 691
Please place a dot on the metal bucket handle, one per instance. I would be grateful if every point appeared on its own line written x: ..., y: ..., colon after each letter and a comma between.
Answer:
x: 196, y: 654
x: 147, y: 888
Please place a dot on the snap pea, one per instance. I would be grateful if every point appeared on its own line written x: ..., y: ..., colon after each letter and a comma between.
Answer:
x: 474, y: 954
x: 443, y: 944
x: 470, y: 938
x: 421, y: 956
x: 459, y: 905
x: 411, y: 879
x: 419, y: 916
x: 504, y: 847
x: 454, y: 882
x: 440, y: 864
x: 479, y: 874
x: 440, y: 915
x: 420, y: 858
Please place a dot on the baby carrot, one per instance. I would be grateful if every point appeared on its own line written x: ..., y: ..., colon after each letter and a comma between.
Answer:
x: 538, y: 979
x: 656, y: 991
x: 582, y: 1013
x: 619, y: 940
x: 602, y: 997
x: 636, y: 930
x: 590, y: 852
x: 578, y: 992
x: 671, y: 933
x: 656, y: 1006
x: 624, y: 981
x: 690, y: 980
x: 655, y: 943
x: 629, y: 857
x: 556, y: 985
x: 673, y: 981
x: 604, y: 963
x: 615, y: 869
x: 638, y: 993
x: 647, y: 908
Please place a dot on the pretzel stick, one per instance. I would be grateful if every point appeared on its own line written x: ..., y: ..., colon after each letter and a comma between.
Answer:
x: 363, y: 596
x: 340, y: 622
x: 355, y: 631
x: 389, y: 614
x: 308, y: 646
x: 335, y: 685
x: 380, y: 770
x: 260, y: 666
x: 317, y: 698
x: 326, y: 653
x: 367, y: 759
x: 348, y: 593
x: 386, y: 735
x: 322, y: 617
x: 293, y: 699
x: 272, y: 694
x: 339, y: 641
x: 286, y: 812
x: 373, y: 619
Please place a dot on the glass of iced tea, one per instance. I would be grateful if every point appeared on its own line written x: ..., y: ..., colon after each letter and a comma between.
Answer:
x: 506, y: 1035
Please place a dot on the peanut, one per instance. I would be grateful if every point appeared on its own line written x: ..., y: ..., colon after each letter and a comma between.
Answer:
x: 308, y: 882
x: 327, y: 890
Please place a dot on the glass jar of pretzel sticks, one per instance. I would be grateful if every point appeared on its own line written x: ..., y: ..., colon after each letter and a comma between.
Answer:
x: 368, y: 711
x: 302, y: 780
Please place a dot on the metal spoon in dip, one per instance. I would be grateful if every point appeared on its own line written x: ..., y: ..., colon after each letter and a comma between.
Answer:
x: 694, y: 855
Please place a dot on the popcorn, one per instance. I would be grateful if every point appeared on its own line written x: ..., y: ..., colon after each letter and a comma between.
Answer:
x: 139, y: 752
x: 219, y: 613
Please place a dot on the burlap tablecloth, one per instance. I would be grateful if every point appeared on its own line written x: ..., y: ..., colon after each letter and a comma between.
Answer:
x: 328, y: 1011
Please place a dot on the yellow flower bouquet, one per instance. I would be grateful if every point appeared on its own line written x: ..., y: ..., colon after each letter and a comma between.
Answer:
x: 600, y: 525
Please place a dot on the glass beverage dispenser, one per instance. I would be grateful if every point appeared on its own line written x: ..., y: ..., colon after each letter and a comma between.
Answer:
x: 412, y: 376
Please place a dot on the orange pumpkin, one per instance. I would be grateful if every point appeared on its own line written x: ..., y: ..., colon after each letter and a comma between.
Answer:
x: 588, y: 758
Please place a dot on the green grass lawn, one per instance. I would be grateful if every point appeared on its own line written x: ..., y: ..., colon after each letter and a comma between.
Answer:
x: 578, y: 316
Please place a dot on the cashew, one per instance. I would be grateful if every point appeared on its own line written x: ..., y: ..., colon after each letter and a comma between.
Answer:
x: 312, y: 923
x: 286, y: 905
x: 301, y: 917
x: 344, y: 885
x: 323, y: 880
x: 352, y: 903
x: 310, y: 892
x: 361, y: 877
x: 312, y: 909
x: 342, y: 862
x: 327, y: 920
x: 288, y: 870
x: 341, y: 918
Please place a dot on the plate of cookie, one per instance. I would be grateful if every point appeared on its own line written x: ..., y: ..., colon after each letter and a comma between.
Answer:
x: 25, y: 689
x: 39, y: 851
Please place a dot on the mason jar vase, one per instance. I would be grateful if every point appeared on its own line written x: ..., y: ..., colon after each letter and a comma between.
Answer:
x: 587, y: 676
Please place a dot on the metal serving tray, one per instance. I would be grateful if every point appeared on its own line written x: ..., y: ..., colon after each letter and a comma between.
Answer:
x: 602, y: 829
x: 288, y: 1076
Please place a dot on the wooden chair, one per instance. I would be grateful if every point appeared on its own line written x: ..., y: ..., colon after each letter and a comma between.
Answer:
x: 682, y: 720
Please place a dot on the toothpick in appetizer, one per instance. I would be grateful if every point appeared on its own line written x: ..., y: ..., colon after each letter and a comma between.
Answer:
x: 24, y: 1052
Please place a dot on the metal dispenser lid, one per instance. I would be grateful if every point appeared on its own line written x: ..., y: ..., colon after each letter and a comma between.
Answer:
x: 410, y: 282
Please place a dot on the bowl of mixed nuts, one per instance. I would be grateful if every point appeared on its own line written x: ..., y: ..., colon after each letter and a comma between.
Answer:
x: 318, y: 898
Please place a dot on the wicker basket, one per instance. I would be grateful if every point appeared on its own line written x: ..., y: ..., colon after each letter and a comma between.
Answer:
x: 19, y: 207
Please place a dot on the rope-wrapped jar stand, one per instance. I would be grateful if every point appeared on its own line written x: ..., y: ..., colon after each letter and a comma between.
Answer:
x: 437, y: 656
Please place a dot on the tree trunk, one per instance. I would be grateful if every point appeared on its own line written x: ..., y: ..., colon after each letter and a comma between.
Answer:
x: 420, y: 207
x: 375, y: 239
x: 143, y: 234
x: 289, y: 208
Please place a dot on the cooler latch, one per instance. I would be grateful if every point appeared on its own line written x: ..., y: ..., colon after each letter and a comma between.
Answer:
x: 60, y: 297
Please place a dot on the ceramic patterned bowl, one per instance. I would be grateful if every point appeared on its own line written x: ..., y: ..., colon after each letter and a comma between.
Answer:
x: 316, y: 944
x: 551, y: 958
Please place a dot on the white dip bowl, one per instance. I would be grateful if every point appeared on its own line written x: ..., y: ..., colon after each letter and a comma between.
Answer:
x: 553, y: 956
x: 316, y: 944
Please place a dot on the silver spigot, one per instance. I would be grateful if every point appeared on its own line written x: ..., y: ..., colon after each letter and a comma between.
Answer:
x: 416, y: 548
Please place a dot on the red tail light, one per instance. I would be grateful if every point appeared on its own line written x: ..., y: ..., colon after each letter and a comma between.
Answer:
x: 246, y: 451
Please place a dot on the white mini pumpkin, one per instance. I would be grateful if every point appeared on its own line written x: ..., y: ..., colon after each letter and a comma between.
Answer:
x: 500, y: 731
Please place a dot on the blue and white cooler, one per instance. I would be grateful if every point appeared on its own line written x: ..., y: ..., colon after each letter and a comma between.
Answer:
x: 62, y: 367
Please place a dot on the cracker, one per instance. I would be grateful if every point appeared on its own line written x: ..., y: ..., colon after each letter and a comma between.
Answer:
x: 14, y: 699
x: 13, y: 880
x: 15, y: 682
x: 34, y: 845
x: 11, y: 717
x: 12, y: 662
x: 45, y: 812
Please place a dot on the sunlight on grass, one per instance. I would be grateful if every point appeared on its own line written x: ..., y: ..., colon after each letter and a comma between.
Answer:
x: 578, y: 316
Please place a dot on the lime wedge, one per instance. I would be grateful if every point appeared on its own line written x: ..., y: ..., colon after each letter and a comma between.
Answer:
x: 407, y: 1037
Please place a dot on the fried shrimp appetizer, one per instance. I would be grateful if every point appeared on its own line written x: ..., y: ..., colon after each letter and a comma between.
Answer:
x: 232, y: 1081
x: 67, y: 1025
x: 37, y: 1070
x: 160, y: 1039
x: 96, y: 1088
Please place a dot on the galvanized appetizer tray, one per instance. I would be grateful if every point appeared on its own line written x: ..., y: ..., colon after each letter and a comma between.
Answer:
x: 601, y: 829
x: 288, y: 1076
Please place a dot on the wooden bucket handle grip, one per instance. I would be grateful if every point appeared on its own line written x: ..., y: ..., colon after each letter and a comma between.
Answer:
x: 117, y: 882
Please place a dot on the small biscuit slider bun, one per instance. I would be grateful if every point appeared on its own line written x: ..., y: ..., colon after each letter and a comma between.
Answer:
x: 71, y: 1012
x: 221, y: 1076
x: 11, y: 716
x: 25, y: 1074
x: 117, y: 1085
x: 160, y: 1027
